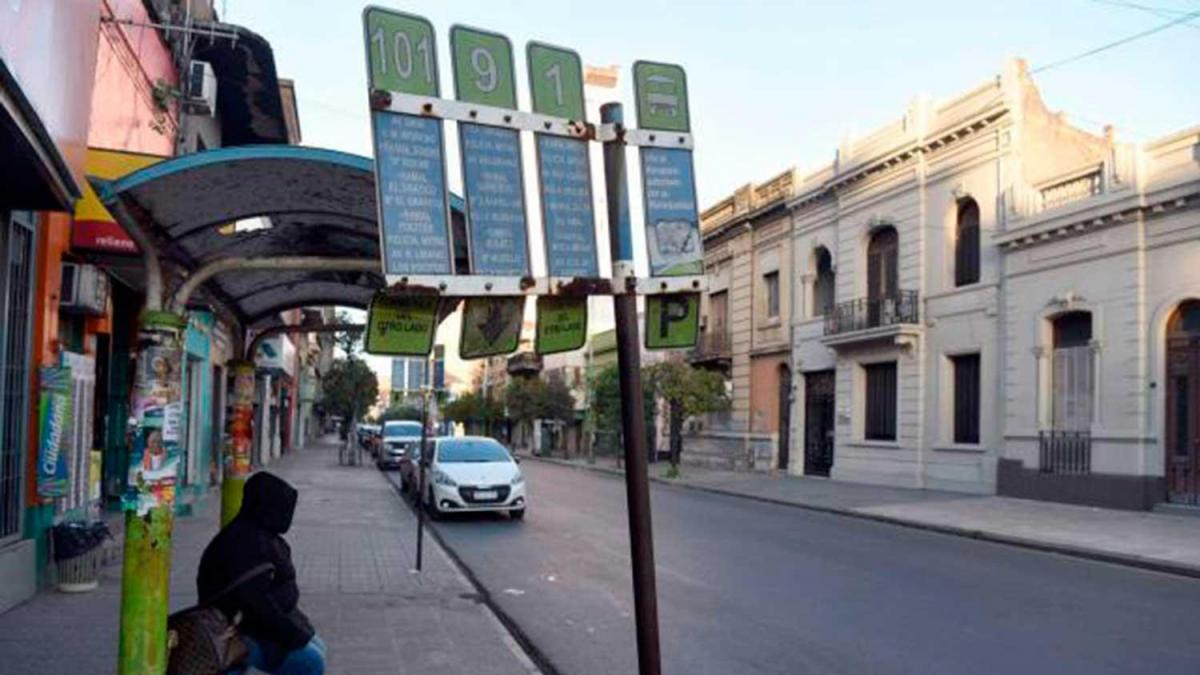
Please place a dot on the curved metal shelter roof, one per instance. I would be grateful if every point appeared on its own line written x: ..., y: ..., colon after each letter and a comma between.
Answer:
x: 315, y: 202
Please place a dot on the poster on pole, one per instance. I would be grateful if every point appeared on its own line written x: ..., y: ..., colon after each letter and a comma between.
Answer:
x: 401, y: 325
x: 410, y: 165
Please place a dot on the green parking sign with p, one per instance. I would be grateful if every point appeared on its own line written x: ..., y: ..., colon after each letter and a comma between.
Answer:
x: 401, y: 52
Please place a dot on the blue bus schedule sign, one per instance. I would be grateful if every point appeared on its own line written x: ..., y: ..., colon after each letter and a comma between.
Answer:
x: 411, y: 176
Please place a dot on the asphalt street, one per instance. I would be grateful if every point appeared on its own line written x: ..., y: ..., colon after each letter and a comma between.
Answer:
x: 748, y: 587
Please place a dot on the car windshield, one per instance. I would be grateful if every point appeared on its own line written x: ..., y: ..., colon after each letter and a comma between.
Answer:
x: 402, y: 429
x: 471, y: 450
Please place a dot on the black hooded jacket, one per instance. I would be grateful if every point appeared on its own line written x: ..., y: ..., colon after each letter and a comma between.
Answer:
x: 269, y: 603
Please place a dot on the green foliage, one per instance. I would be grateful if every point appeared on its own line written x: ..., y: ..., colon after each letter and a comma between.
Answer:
x: 605, y: 406
x: 350, y: 388
x: 349, y: 341
x: 401, y: 412
x: 687, y: 391
x: 532, y: 398
x: 473, y: 408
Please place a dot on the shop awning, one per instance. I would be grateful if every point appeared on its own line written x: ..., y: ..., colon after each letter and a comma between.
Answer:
x: 308, y: 201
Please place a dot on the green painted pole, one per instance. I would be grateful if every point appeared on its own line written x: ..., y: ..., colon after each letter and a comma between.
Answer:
x: 237, y: 449
x: 149, y: 499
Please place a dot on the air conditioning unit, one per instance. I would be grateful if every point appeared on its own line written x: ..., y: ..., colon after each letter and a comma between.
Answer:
x: 200, y: 89
x: 84, y: 289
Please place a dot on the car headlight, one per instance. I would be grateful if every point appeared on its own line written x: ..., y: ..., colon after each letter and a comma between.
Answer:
x: 442, y: 479
x: 518, y: 479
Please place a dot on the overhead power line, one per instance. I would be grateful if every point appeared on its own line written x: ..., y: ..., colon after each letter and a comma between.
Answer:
x: 1123, y: 41
x: 1164, y: 12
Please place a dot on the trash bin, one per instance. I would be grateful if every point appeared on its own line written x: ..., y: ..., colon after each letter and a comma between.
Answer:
x: 78, y: 549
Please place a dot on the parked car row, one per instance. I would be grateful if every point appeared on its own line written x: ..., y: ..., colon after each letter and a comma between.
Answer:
x: 464, y: 473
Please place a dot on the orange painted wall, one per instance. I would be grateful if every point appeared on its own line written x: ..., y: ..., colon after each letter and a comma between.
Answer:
x: 764, y: 392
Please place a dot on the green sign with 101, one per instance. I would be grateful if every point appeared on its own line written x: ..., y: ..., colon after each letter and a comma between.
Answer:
x: 402, y: 52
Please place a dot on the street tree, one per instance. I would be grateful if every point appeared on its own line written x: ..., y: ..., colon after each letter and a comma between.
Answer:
x: 350, y: 388
x: 474, y: 410
x: 604, y: 408
x: 687, y: 391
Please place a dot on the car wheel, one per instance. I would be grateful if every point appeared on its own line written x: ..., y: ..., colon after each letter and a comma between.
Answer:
x: 518, y: 514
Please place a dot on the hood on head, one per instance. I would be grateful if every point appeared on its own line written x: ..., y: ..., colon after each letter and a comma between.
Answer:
x: 269, y: 501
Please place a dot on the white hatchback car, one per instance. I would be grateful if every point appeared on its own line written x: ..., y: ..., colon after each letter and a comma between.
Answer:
x: 473, y: 473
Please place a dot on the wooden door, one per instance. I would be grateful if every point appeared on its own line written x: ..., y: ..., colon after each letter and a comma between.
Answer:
x: 1183, y: 405
x: 785, y: 417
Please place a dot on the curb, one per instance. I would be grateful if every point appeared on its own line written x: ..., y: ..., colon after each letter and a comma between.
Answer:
x: 1079, y: 552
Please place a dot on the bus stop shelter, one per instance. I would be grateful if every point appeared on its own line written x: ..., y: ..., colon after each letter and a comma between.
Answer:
x: 252, y: 231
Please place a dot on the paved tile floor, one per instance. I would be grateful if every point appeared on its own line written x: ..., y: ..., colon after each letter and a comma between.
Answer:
x: 353, y: 543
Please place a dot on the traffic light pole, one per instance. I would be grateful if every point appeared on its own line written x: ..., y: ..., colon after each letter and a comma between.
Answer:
x: 633, y: 419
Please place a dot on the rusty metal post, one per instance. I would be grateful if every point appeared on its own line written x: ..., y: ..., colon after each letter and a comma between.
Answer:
x: 633, y: 420
x: 236, y: 462
x: 149, y: 499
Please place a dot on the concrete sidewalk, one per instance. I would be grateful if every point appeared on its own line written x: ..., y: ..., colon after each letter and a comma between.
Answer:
x: 1163, y: 542
x: 353, y: 544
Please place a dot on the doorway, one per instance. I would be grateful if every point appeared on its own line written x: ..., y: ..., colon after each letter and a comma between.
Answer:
x: 785, y: 417
x: 818, y: 422
x: 883, y: 275
x: 1183, y: 405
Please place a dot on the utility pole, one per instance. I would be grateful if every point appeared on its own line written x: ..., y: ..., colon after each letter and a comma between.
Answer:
x: 633, y: 420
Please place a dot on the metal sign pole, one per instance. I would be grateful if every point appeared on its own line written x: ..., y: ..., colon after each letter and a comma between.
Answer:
x: 422, y: 463
x: 633, y: 420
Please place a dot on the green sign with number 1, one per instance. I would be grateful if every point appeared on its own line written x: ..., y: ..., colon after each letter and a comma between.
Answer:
x: 402, y: 52
x: 556, y: 78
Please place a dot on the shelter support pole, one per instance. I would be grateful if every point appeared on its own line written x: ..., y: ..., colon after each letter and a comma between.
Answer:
x: 633, y: 420
x: 236, y: 462
x: 149, y: 499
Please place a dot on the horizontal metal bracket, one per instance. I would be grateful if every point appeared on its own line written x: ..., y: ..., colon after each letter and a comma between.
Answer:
x: 483, y: 286
x: 644, y: 138
x: 459, y: 111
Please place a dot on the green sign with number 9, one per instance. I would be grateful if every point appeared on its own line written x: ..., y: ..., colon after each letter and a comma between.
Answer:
x: 556, y: 77
x: 401, y: 52
x: 483, y: 67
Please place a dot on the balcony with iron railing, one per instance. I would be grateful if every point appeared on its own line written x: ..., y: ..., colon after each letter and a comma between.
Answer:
x: 872, y: 318
x: 714, y: 345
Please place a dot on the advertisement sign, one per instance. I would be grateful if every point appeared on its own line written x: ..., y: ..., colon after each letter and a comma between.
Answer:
x: 54, y: 430
x: 410, y: 163
x: 401, y: 326
x: 237, y: 455
x: 94, y: 228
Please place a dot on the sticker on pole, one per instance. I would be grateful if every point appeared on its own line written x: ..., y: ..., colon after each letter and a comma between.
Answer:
x: 491, y: 326
x: 564, y: 169
x: 660, y: 90
x: 493, y: 177
x: 672, y: 321
x: 410, y: 164
x: 401, y: 326
x: 561, y: 324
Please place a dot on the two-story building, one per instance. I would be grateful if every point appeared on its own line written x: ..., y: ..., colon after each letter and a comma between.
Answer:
x: 982, y: 298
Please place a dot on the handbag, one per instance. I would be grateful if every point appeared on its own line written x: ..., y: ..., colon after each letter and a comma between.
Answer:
x: 201, y: 640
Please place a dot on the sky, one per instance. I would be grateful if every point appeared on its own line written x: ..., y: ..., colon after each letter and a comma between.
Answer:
x: 772, y: 84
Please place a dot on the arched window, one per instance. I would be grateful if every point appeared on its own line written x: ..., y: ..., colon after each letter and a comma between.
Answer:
x: 823, y: 284
x: 966, y: 245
